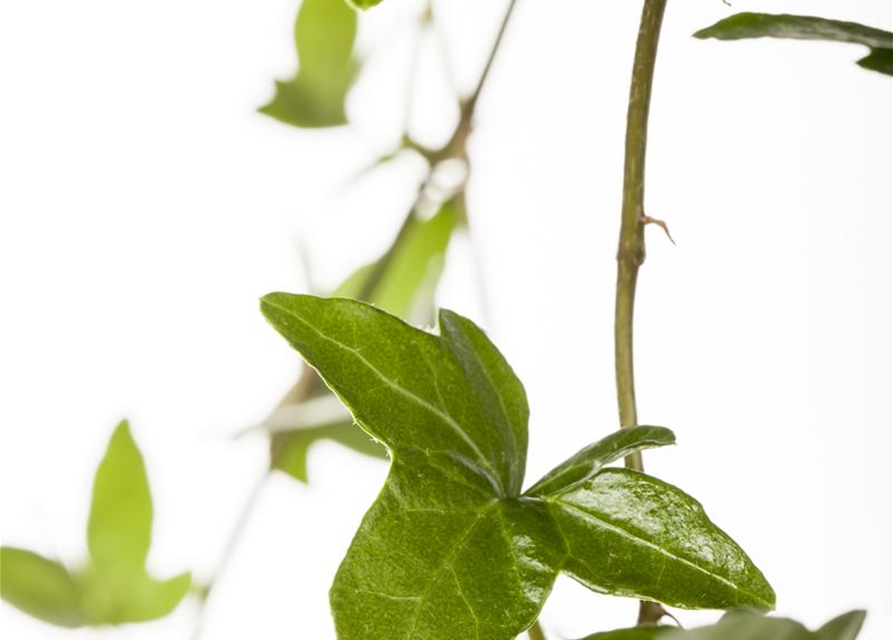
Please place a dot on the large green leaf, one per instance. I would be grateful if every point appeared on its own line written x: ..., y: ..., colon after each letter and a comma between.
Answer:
x: 325, y: 31
x: 763, y: 25
x: 451, y: 548
x: 40, y: 587
x: 113, y: 587
x: 405, y: 281
x: 746, y: 625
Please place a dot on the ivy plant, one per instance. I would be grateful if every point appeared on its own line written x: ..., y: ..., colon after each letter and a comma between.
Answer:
x: 453, y: 546
x: 112, y: 587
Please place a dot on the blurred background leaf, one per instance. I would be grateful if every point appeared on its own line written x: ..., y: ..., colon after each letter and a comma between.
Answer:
x: 763, y: 25
x: 113, y: 587
x: 325, y: 32
x: 40, y: 587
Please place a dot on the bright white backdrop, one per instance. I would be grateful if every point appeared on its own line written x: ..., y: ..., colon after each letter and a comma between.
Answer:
x: 145, y: 207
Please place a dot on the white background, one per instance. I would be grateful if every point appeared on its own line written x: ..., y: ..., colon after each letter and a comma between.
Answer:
x: 145, y: 207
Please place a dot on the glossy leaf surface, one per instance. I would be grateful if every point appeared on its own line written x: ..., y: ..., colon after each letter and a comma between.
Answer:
x: 325, y: 31
x: 404, y: 285
x: 451, y: 548
x: 113, y: 587
x: 762, y: 25
x: 40, y: 587
x: 746, y: 625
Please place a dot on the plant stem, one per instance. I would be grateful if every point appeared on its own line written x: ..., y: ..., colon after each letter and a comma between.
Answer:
x: 631, y: 247
x: 536, y: 632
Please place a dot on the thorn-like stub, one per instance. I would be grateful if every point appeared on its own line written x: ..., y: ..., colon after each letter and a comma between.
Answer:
x: 646, y: 220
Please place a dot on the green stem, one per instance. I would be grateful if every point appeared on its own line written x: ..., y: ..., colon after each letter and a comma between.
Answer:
x: 536, y: 632
x: 631, y: 247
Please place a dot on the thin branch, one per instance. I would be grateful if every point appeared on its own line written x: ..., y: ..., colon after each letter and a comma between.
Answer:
x: 631, y: 247
x: 497, y: 44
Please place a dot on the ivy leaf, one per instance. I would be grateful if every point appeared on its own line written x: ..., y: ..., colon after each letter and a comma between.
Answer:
x: 325, y: 31
x: 451, y: 548
x: 40, y: 587
x: 113, y: 587
x: 746, y: 625
x: 763, y: 25
x: 406, y: 282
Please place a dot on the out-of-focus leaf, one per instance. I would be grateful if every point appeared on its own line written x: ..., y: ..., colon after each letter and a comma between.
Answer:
x: 406, y: 285
x: 451, y: 548
x: 109, y: 599
x: 746, y: 625
x: 295, y: 445
x: 119, y: 530
x: 325, y: 31
x: 763, y: 25
x: 40, y: 587
x: 113, y: 587
x: 407, y: 280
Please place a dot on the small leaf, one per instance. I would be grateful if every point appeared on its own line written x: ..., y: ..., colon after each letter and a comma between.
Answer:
x: 762, y: 25
x: 590, y: 460
x: 119, y: 531
x: 325, y: 31
x: 880, y: 60
x: 450, y: 549
x: 843, y: 627
x: 40, y: 587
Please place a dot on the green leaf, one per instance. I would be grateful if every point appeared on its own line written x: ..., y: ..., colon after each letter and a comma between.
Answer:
x: 405, y: 286
x: 290, y: 449
x: 40, y: 587
x: 631, y: 534
x: 108, y: 598
x: 325, y: 31
x: 744, y: 624
x: 114, y: 587
x: 590, y: 460
x: 119, y: 530
x: 762, y: 25
x: 880, y: 60
x: 451, y: 549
